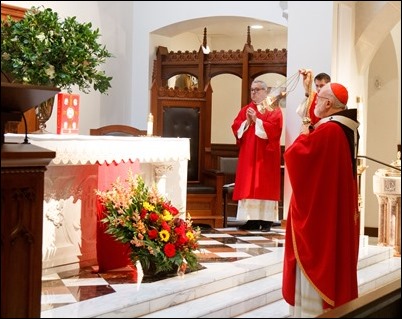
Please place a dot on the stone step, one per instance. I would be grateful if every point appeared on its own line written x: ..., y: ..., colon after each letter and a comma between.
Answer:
x: 369, y: 278
x: 276, y: 309
x: 241, y: 288
x: 376, y: 267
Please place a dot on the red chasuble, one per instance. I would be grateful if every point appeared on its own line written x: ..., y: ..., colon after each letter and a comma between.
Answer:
x: 258, y: 168
x: 322, y: 234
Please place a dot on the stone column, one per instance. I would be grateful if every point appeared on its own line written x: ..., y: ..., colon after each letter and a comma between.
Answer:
x: 394, y: 214
x: 382, y: 220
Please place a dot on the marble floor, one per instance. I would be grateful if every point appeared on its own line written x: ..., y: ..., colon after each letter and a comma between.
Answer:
x: 216, y: 246
x: 223, y: 252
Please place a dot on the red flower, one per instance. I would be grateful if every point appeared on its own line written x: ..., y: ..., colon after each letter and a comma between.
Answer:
x: 153, y: 217
x: 180, y: 230
x: 165, y: 226
x: 143, y: 213
x: 173, y: 210
x: 152, y: 233
x: 178, y: 222
x: 169, y: 250
x: 181, y: 240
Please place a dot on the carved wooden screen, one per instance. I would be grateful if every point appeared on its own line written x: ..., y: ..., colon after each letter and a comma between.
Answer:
x: 247, y: 64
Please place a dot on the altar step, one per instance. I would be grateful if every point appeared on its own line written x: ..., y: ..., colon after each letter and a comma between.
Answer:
x: 256, y: 291
x: 247, y: 288
x: 370, y: 277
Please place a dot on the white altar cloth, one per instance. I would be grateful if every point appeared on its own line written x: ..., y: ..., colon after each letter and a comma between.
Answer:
x: 85, y: 149
x: 84, y: 163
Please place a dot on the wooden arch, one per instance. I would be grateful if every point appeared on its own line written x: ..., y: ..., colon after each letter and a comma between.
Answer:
x: 247, y: 64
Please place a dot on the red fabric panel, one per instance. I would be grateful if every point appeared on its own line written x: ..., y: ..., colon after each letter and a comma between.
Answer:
x: 111, y: 253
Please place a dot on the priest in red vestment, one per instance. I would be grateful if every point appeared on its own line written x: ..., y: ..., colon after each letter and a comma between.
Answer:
x: 257, y: 129
x: 322, y: 232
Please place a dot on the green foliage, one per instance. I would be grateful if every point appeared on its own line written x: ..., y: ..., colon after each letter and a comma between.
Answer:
x: 41, y: 49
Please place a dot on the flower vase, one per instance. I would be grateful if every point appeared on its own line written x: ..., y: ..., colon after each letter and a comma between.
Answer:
x: 150, y: 272
x: 43, y: 112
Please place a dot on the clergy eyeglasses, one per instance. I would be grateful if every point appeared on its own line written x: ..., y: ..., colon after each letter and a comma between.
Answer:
x: 256, y: 90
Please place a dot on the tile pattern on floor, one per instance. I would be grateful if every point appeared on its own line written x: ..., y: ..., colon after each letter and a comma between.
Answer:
x: 216, y: 246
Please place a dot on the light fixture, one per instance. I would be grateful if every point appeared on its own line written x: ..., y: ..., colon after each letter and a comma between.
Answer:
x: 359, y: 106
x: 205, y: 50
x: 256, y: 27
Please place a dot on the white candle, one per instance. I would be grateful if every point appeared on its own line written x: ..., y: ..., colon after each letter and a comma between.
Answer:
x: 150, y: 126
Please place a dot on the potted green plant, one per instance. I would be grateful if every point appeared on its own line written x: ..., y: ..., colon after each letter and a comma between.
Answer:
x: 42, y: 49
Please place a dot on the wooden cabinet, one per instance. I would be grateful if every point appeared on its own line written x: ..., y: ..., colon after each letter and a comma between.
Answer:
x: 22, y: 186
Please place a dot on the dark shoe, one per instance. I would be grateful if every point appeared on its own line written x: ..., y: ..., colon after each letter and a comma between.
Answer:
x: 250, y: 225
x: 266, y: 225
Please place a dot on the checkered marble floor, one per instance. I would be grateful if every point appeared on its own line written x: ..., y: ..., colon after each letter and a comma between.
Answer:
x: 216, y: 246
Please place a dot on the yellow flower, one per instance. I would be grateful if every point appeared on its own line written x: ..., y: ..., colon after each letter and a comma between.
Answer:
x: 164, y: 235
x: 167, y: 216
x: 148, y: 206
x: 190, y: 235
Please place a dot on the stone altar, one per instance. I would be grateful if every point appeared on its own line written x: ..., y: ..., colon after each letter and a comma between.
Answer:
x: 85, y: 163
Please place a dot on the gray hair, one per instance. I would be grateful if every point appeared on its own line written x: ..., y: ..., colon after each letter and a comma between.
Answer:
x: 336, y: 103
x: 262, y: 83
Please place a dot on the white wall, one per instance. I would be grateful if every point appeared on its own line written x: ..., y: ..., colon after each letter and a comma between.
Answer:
x: 381, y: 122
x: 310, y: 45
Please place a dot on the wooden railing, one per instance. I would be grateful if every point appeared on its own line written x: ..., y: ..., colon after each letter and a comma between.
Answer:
x: 384, y: 302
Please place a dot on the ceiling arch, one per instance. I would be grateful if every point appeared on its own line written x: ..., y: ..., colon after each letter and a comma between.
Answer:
x: 374, y: 21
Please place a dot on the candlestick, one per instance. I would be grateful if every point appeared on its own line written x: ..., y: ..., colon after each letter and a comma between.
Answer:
x: 150, y: 125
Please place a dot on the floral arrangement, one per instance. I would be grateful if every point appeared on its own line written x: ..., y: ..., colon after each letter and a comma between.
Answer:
x: 157, y: 236
x: 41, y: 49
